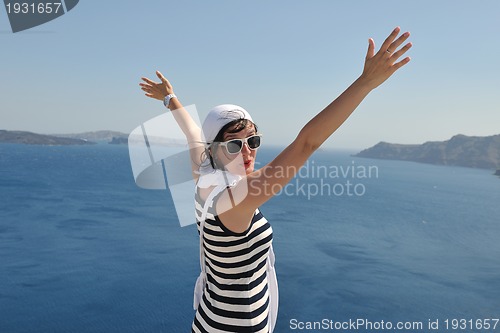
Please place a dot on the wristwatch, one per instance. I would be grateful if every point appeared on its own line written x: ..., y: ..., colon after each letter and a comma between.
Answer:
x: 166, y: 100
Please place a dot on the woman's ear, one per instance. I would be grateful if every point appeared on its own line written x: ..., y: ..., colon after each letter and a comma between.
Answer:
x: 208, y: 152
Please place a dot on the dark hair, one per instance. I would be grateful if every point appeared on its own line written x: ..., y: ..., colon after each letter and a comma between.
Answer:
x: 234, y: 126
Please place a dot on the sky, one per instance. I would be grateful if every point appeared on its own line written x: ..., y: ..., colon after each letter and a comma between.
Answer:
x: 282, y: 60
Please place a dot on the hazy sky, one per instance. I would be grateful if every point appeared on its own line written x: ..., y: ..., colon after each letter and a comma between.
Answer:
x: 283, y: 60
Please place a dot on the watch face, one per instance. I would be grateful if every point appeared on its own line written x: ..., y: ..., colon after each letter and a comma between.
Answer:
x: 167, y: 99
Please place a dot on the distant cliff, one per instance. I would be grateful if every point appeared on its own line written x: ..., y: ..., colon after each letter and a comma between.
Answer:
x: 460, y: 150
x: 38, y: 139
x: 119, y: 140
x: 96, y: 136
x: 111, y: 137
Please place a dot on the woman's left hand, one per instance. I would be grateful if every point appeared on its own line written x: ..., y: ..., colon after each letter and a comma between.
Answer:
x: 381, y: 65
x: 157, y: 90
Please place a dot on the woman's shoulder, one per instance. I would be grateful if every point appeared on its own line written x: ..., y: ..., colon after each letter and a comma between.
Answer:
x: 209, y: 180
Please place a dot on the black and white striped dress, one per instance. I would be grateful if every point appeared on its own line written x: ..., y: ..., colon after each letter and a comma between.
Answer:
x: 236, y: 295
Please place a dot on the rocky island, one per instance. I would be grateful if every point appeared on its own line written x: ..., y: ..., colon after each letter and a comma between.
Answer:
x: 119, y: 140
x: 103, y: 137
x: 460, y: 150
x: 96, y: 136
x: 30, y: 138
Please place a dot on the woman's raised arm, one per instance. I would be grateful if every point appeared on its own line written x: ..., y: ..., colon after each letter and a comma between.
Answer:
x: 263, y: 183
x: 159, y: 90
x: 378, y: 68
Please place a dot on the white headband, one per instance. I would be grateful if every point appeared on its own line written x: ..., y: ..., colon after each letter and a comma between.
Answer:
x: 220, y: 116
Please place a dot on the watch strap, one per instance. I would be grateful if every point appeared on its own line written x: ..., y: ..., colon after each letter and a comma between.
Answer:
x: 166, y: 100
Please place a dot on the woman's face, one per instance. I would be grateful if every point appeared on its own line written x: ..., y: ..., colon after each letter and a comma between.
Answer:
x: 243, y: 162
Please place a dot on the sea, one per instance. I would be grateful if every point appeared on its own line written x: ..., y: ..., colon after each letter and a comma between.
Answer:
x: 361, y: 245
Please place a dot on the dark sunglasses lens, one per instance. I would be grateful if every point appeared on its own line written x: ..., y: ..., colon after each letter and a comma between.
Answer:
x: 254, y: 142
x: 234, y: 146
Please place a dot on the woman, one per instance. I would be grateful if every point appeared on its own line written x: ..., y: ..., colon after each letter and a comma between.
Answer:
x: 237, y: 288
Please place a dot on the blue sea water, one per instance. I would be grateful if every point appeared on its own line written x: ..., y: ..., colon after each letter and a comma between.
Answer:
x: 83, y: 249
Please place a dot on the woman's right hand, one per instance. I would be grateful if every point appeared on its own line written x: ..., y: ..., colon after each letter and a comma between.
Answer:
x: 157, y: 90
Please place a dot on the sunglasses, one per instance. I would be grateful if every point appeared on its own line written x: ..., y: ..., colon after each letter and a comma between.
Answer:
x: 234, y: 146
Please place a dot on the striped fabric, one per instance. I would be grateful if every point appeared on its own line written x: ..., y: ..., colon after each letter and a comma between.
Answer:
x: 236, y: 295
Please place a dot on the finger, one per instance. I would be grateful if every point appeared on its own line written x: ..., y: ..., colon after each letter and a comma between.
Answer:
x: 160, y: 76
x: 147, y: 89
x: 401, y: 51
x: 371, y: 48
x: 148, y: 81
x: 400, y: 64
x: 390, y: 39
x: 164, y: 79
x: 394, y: 45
